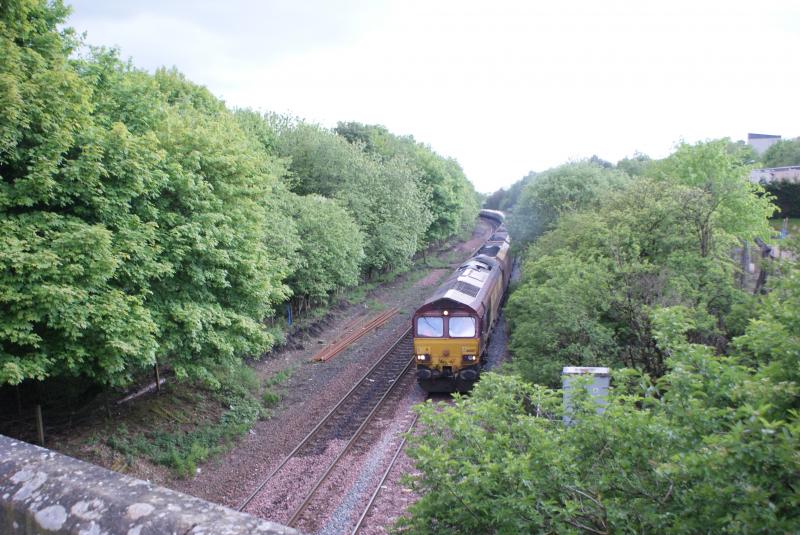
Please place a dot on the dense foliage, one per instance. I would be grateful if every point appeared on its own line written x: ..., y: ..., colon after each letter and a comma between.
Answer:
x: 332, y: 247
x: 787, y: 197
x: 711, y: 447
x: 134, y: 220
x: 636, y: 165
x: 549, y: 195
x: 506, y: 200
x: 143, y: 222
x: 785, y: 152
x: 590, y: 284
x: 385, y: 197
x: 452, y: 201
x: 701, y: 429
x: 68, y: 302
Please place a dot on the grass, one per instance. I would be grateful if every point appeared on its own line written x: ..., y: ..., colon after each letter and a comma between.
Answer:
x: 437, y: 263
x: 414, y: 277
x: 193, y: 424
x: 373, y: 305
x: 270, y: 397
x: 445, y: 261
x: 280, y: 377
x: 359, y: 293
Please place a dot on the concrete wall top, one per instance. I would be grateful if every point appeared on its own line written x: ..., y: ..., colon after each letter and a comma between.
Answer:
x: 42, y: 491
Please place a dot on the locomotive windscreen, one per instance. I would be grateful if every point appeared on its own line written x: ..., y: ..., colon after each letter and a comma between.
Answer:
x: 489, y: 250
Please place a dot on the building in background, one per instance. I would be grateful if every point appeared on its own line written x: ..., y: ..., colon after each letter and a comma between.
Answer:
x: 790, y: 174
x: 761, y: 142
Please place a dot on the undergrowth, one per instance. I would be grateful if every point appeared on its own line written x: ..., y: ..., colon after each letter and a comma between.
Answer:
x: 185, y: 441
x: 269, y: 396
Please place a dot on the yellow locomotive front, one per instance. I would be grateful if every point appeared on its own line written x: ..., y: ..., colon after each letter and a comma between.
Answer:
x: 447, y: 348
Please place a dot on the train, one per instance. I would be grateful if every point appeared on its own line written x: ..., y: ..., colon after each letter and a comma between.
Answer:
x: 452, y: 328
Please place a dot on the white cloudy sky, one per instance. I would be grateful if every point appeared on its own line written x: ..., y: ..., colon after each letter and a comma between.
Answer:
x: 503, y: 86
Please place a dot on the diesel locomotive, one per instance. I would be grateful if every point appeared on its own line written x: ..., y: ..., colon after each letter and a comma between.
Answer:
x: 452, y: 328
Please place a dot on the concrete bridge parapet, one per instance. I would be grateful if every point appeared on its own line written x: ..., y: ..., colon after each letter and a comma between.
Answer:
x: 42, y: 491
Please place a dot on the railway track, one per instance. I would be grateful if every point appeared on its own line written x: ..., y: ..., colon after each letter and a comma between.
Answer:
x: 307, y: 489
x: 398, y: 450
x: 321, y: 506
x: 344, y: 430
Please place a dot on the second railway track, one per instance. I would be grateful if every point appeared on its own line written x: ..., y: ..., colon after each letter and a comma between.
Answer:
x: 308, y: 465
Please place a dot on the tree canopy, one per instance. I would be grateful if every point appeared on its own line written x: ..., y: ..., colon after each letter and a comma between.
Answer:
x: 645, y: 244
x: 784, y: 153
x: 452, y: 199
x: 547, y: 196
x: 332, y: 248
x: 145, y: 222
x: 700, y: 430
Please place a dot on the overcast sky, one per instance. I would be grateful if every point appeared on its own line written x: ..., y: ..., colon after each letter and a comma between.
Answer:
x: 505, y: 87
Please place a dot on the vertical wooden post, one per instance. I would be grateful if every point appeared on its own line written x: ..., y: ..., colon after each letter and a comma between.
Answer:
x: 40, y: 424
x: 745, y: 262
x: 158, y: 378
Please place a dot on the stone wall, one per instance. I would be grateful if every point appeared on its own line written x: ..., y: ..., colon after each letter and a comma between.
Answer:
x: 42, y: 491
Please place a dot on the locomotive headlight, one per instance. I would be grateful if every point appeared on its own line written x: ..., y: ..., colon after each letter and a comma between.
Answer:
x: 422, y: 358
x: 470, y: 358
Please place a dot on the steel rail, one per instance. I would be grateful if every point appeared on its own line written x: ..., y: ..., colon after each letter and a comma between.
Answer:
x: 349, y: 329
x: 352, y: 335
x: 385, y: 477
x: 311, y: 434
x: 339, y: 345
x: 367, y: 420
x: 322, y: 422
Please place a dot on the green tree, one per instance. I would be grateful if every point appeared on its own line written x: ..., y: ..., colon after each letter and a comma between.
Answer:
x: 647, y: 244
x: 213, y: 215
x: 495, y: 200
x: 743, y: 152
x: 320, y: 161
x: 509, y: 203
x: 390, y: 208
x: 636, y: 165
x: 564, y: 189
x: 452, y: 198
x: 727, y: 201
x: 332, y: 247
x: 383, y: 195
x: 772, y: 339
x: 134, y: 216
x: 785, y: 152
x: 559, y: 317
x: 75, y: 259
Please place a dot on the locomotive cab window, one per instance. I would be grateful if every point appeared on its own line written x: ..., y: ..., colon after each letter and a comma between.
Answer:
x: 462, y: 327
x: 430, y: 326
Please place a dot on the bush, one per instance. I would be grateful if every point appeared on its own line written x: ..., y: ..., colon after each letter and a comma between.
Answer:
x: 707, y: 457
